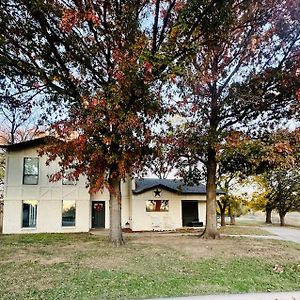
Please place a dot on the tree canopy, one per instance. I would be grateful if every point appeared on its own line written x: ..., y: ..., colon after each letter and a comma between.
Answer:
x: 106, y: 61
x: 242, y: 77
x: 19, y: 116
x: 233, y: 65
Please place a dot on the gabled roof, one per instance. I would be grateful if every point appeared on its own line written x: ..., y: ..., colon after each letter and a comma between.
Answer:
x: 145, y: 184
x: 27, y: 144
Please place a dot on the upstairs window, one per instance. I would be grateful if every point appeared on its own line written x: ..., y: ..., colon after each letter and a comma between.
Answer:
x: 66, y: 180
x: 31, y: 170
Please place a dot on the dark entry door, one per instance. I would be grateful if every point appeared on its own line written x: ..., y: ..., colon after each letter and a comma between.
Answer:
x: 189, y: 212
x: 98, y: 214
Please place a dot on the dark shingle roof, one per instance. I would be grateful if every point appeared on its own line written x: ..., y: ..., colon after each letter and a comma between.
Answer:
x: 28, y: 144
x: 144, y: 184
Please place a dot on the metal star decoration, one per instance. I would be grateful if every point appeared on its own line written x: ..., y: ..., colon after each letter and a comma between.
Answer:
x: 157, y: 193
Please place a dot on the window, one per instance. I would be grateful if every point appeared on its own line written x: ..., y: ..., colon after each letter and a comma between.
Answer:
x: 67, y: 180
x: 157, y: 205
x: 31, y: 170
x: 68, y: 213
x: 29, y: 214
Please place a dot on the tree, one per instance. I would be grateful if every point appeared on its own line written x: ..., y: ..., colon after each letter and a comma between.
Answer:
x: 162, y: 160
x: 226, y: 182
x: 235, y: 207
x: 18, y: 122
x: 259, y: 200
x: 105, y: 59
x: 242, y: 76
x: 280, y: 192
x: 276, y: 150
x: 283, y: 191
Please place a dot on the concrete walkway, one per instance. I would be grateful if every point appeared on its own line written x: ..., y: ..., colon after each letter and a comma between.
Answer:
x: 251, y: 296
x: 285, y: 233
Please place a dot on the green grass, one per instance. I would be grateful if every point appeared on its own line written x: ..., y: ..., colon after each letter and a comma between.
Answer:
x: 241, y: 222
x: 244, y: 230
x: 82, y: 266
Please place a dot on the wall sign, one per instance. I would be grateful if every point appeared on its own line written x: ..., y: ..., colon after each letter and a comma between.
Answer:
x: 157, y: 193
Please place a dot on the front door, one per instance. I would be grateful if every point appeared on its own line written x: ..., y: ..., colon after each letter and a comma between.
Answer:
x: 189, y: 212
x: 98, y: 214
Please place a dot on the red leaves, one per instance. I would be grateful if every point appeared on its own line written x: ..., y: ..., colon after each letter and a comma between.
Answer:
x: 148, y: 67
x: 118, y: 55
x: 55, y: 177
x: 273, y: 150
x: 120, y: 76
x: 91, y: 17
x: 81, y: 143
x: 107, y: 140
x: 72, y: 17
x: 122, y: 167
x: 95, y: 156
x: 69, y: 20
x: 283, y: 147
x: 94, y: 102
x: 180, y: 4
x: 97, y: 185
x: 236, y: 138
x: 133, y: 121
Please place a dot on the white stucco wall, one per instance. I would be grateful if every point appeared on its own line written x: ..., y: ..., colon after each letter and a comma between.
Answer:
x: 104, y: 196
x: 143, y: 220
x: 49, y: 196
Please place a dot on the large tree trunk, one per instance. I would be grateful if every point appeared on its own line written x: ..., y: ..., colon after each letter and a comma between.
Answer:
x: 268, y: 214
x: 211, y: 231
x: 115, y: 229
x: 282, y: 219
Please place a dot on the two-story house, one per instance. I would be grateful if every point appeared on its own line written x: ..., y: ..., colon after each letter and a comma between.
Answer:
x: 33, y: 204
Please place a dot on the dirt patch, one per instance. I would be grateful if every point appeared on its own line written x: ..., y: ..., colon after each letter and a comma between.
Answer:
x: 227, y: 247
x: 99, y: 254
x: 50, y: 260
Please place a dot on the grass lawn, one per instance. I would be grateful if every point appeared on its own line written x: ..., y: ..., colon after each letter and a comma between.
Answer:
x: 230, y: 230
x: 244, y: 230
x: 84, y: 266
x: 241, y: 222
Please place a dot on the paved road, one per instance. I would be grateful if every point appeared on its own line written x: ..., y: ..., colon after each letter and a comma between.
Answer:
x: 285, y: 233
x: 251, y: 296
